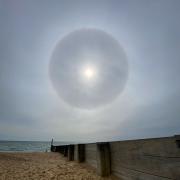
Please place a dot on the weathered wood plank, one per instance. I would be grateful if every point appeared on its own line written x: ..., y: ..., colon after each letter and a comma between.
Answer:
x: 153, y: 157
x: 91, y: 154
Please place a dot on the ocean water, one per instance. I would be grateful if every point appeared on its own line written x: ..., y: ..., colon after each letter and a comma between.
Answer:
x: 27, y: 146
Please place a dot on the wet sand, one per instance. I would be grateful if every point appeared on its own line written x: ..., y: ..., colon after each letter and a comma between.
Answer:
x: 42, y: 166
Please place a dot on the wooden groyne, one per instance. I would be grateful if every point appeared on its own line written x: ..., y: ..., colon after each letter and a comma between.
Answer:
x: 143, y: 159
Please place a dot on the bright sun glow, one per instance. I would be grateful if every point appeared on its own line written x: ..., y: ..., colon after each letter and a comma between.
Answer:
x: 89, y: 73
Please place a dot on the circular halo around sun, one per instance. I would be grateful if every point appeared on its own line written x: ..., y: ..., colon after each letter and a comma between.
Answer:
x: 88, y: 68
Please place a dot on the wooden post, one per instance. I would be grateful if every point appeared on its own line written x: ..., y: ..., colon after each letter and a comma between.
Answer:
x: 71, y: 152
x: 177, y: 139
x: 65, y: 150
x: 81, y: 153
x: 52, y: 147
x: 103, y: 159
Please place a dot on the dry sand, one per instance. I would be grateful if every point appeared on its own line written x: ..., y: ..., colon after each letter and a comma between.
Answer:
x: 23, y: 166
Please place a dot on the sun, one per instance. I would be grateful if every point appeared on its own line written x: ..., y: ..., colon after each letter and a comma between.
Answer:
x: 89, y: 72
x: 88, y: 75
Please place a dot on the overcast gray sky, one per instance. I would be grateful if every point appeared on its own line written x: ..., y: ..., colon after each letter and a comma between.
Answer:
x: 148, y: 106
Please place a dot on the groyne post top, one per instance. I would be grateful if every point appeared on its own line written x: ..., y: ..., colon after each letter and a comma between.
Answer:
x: 103, y: 159
x: 71, y: 152
x: 81, y: 153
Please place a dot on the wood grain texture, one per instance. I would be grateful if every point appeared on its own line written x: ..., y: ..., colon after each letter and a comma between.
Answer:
x: 146, y: 159
x: 76, y: 152
x: 91, y: 154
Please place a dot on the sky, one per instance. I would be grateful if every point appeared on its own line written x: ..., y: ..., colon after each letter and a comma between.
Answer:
x: 147, y: 105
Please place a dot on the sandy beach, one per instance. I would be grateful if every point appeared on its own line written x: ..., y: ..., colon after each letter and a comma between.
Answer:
x: 40, y: 165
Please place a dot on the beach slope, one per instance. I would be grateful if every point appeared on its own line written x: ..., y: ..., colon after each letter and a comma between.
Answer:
x: 44, y: 166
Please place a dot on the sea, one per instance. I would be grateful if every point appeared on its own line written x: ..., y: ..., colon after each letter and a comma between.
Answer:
x: 27, y: 146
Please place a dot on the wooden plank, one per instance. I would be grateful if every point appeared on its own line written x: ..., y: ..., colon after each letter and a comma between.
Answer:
x: 91, y: 155
x: 158, y: 157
